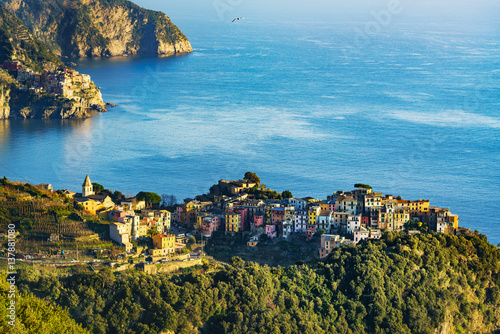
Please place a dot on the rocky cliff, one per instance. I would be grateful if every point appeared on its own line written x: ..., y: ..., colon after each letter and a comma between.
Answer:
x: 6, y: 85
x: 17, y: 100
x: 87, y: 28
x: 28, y: 104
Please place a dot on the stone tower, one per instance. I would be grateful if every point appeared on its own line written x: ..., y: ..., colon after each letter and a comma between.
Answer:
x: 87, y: 188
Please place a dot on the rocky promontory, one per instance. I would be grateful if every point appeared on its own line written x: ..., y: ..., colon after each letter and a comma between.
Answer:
x: 99, y: 28
x: 19, y: 101
x: 34, y: 83
x: 34, y: 34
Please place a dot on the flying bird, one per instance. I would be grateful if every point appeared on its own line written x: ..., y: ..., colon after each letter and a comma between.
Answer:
x: 238, y: 18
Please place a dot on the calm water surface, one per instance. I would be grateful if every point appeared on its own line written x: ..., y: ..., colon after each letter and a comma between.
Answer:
x: 412, y: 112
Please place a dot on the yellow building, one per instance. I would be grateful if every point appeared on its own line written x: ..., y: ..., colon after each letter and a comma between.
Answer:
x: 387, y: 218
x: 252, y: 244
x: 190, y: 211
x: 163, y: 244
x: 419, y: 208
x: 163, y: 241
x: 233, y: 221
x: 454, y: 220
x: 313, y: 214
x: 401, y: 217
x: 268, y: 212
x: 324, y: 205
x: 199, y: 219
x: 103, y: 213
x: 90, y: 205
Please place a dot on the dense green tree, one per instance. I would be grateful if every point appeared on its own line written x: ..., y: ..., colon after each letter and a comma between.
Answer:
x: 97, y: 187
x: 34, y: 315
x: 149, y: 197
x: 287, y: 194
x: 117, y: 196
x: 252, y: 177
x: 362, y: 185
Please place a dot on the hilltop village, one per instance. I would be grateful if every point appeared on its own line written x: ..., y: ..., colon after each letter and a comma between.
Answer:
x: 239, y: 207
x: 60, y: 82
x: 62, y: 92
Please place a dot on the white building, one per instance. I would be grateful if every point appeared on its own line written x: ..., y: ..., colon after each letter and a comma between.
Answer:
x: 360, y: 234
x: 87, y: 188
x: 287, y: 228
x: 325, y: 220
x: 298, y: 203
x: 372, y: 201
x: 353, y: 223
x: 120, y: 233
x: 132, y: 221
x: 346, y: 204
x: 301, y: 219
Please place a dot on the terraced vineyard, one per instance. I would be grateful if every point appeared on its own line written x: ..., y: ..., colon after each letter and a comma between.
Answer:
x: 40, y: 214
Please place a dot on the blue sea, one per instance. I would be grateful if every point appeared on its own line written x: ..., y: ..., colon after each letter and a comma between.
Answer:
x: 312, y: 107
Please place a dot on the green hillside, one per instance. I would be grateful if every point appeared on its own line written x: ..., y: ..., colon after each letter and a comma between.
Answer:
x: 18, y: 43
x: 400, y: 284
x: 34, y: 315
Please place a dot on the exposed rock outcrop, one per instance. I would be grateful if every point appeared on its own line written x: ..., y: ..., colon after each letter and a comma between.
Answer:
x: 28, y: 104
x: 4, y: 101
x: 88, y: 28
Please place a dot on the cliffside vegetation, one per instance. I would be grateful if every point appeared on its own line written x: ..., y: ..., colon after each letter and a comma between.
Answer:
x: 18, y: 43
x: 84, y: 28
x: 400, y: 284
x: 34, y: 315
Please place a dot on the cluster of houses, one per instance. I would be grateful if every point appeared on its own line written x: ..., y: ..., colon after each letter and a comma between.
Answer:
x: 62, y: 82
x: 131, y: 219
x: 343, y: 218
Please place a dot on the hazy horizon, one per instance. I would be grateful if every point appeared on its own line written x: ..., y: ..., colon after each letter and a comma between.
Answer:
x: 324, y: 9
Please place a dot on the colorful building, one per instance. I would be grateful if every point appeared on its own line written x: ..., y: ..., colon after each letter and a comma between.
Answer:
x: 233, y: 222
x: 271, y: 231
x: 210, y: 224
x: 163, y: 244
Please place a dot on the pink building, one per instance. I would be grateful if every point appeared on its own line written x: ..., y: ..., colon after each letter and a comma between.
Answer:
x: 278, y: 215
x: 209, y: 225
x: 116, y: 216
x: 311, y: 229
x: 258, y: 220
x: 271, y: 231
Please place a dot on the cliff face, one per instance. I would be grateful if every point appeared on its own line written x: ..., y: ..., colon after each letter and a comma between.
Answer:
x: 7, y: 83
x: 19, y: 103
x: 74, y: 98
x: 86, y: 28
x: 29, y: 105
x: 4, y: 102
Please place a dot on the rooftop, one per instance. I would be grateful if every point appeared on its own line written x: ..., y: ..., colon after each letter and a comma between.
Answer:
x: 87, y: 182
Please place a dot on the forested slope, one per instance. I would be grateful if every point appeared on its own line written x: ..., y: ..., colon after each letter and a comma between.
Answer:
x: 34, y: 315
x: 400, y: 284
